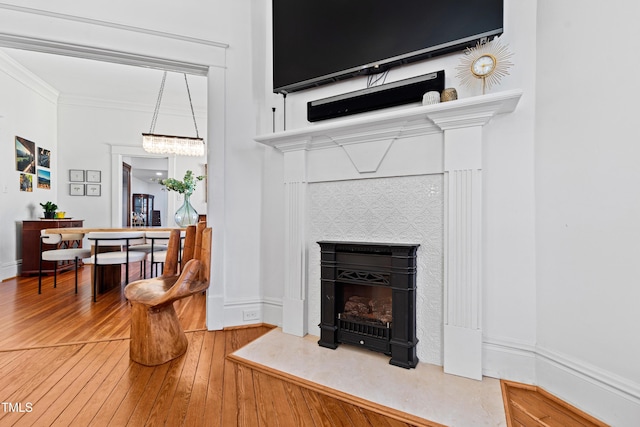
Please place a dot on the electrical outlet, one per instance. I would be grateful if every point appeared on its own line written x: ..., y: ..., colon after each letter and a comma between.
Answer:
x: 250, y: 315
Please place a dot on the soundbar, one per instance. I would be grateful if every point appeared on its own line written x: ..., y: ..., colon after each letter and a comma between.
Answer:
x: 376, y: 97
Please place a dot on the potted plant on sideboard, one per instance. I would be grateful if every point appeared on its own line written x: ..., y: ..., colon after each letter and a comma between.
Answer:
x: 49, y: 209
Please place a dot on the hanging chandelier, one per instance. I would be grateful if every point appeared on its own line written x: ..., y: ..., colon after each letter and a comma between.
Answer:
x: 172, y: 144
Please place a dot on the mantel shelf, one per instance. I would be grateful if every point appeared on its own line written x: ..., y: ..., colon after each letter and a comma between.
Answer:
x: 423, y: 119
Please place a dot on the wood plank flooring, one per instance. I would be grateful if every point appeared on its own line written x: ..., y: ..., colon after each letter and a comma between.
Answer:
x: 529, y: 406
x: 64, y: 361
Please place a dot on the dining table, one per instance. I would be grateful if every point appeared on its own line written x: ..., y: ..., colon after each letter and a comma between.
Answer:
x: 112, y: 277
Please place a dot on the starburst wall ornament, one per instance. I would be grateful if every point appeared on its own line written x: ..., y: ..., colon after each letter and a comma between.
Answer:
x: 488, y: 62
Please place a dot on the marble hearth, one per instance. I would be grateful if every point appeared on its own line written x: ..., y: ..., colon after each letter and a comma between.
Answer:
x: 343, y: 178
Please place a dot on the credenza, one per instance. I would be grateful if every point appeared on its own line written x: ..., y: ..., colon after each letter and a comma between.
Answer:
x: 31, y: 244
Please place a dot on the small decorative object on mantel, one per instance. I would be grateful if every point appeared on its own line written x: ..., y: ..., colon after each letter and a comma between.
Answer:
x: 449, y: 94
x: 186, y: 214
x: 49, y: 209
x: 431, y: 97
x: 488, y: 62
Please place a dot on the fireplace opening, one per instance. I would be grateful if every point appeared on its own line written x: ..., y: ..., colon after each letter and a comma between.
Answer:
x: 369, y: 299
x: 367, y: 304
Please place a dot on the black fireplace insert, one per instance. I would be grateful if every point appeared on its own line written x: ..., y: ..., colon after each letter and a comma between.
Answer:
x: 369, y: 298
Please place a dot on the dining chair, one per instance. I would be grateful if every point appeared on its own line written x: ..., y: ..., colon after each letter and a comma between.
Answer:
x: 118, y: 240
x: 158, y: 259
x: 154, y: 243
x: 59, y: 254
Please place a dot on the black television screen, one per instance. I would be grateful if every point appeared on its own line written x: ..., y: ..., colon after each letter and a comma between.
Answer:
x: 321, y: 41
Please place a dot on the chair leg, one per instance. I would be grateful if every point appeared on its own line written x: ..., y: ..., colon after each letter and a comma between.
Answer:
x: 76, y: 275
x: 95, y: 282
x: 156, y: 334
x: 55, y: 274
x: 40, y: 276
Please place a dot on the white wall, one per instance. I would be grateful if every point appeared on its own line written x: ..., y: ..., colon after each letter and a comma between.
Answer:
x: 28, y: 110
x: 587, y: 209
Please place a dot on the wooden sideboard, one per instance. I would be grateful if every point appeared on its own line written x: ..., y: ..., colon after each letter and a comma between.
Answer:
x: 31, y: 244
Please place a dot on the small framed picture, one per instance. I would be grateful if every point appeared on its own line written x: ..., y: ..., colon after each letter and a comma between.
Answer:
x: 76, y: 189
x: 76, y: 175
x: 93, y: 189
x: 93, y: 176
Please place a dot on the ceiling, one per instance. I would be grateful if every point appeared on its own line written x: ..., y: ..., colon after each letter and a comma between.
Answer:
x: 83, y: 78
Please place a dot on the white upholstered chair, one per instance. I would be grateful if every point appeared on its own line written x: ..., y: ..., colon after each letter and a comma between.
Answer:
x: 155, y: 242
x: 60, y: 254
x: 122, y: 239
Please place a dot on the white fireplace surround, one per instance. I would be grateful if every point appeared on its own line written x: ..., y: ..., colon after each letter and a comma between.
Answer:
x: 443, y: 138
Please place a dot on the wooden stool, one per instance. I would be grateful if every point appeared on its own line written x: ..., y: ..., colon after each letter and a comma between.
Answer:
x: 156, y: 334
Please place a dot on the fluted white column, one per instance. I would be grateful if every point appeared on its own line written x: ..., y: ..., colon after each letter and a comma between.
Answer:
x: 294, y: 309
x: 463, y: 254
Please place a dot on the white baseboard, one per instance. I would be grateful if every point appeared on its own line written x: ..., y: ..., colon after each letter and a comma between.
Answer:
x: 509, y: 359
x: 604, y: 395
x: 234, y: 312
x: 10, y: 269
x: 215, y: 312
x: 595, y: 391
x: 272, y: 311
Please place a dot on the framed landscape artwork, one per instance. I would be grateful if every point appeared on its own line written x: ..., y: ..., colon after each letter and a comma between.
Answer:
x: 25, y: 155
x: 44, y: 179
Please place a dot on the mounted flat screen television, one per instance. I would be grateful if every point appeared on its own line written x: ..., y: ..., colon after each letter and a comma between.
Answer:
x: 321, y: 41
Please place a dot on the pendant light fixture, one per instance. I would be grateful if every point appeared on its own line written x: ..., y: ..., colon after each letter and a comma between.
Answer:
x: 171, y: 144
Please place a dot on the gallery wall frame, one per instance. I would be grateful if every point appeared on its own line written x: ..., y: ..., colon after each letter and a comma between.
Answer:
x: 76, y: 189
x: 93, y: 176
x: 25, y: 155
x: 76, y: 175
x: 93, y: 189
x: 44, y: 158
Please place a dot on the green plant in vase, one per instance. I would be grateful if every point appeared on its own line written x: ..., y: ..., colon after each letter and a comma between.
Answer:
x: 49, y: 209
x: 186, y: 214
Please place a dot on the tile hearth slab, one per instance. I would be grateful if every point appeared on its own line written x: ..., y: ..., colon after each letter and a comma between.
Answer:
x: 425, y: 391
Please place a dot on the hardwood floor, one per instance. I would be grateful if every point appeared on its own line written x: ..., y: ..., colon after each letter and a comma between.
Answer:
x: 529, y: 406
x: 64, y: 361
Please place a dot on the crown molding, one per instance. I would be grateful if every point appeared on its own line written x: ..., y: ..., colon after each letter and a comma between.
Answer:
x: 100, y: 23
x: 16, y: 71
x: 86, y: 101
x: 100, y: 54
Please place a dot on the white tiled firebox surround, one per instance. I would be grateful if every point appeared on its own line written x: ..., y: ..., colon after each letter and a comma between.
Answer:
x: 413, y: 141
x: 389, y: 210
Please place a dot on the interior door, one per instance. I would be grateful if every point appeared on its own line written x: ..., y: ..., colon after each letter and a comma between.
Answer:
x: 126, y: 195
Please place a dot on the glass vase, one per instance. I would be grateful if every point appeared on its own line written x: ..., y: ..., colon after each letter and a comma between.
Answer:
x: 186, y: 214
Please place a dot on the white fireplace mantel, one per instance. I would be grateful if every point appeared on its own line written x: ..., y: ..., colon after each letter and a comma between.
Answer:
x: 366, y: 140
x: 475, y: 111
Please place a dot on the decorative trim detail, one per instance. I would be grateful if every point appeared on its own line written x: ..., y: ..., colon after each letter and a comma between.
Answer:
x: 366, y: 277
